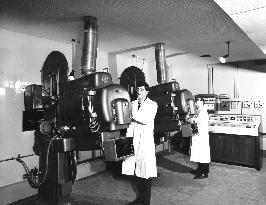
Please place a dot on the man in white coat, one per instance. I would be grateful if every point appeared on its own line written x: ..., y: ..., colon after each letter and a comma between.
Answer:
x: 200, y: 148
x: 143, y: 163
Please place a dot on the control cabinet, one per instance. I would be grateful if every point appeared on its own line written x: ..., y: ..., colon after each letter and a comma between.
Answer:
x: 235, y: 139
x: 236, y: 149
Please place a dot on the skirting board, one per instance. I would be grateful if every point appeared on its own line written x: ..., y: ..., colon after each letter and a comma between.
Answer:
x: 16, y: 192
x: 90, y: 168
x: 22, y: 190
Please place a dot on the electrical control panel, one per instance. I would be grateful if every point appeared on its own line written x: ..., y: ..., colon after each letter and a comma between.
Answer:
x: 258, y: 104
x: 235, y: 124
x: 210, y: 101
x: 248, y: 104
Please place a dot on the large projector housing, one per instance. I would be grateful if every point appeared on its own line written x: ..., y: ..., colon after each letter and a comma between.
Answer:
x: 91, y: 106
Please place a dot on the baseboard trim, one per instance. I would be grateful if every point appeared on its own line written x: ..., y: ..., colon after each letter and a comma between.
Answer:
x: 22, y: 193
x: 25, y: 200
x: 16, y: 192
x: 90, y: 168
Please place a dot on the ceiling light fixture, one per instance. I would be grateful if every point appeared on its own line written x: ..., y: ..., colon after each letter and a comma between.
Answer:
x: 224, y: 58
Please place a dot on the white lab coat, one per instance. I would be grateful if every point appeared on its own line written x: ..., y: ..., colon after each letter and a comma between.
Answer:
x: 143, y: 163
x: 200, y: 148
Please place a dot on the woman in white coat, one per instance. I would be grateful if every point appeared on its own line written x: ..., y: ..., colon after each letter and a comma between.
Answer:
x: 200, y: 148
x: 143, y: 163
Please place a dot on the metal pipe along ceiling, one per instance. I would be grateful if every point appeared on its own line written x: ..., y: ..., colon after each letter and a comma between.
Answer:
x: 160, y: 63
x: 90, y: 44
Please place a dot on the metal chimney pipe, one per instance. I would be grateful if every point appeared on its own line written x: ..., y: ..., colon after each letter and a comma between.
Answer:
x: 161, y: 67
x: 90, y: 44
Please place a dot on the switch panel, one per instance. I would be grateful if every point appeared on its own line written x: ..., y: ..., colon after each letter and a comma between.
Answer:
x: 248, y: 104
x: 259, y: 104
x: 209, y: 106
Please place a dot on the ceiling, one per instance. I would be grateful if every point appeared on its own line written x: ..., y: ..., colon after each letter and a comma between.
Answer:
x: 186, y: 27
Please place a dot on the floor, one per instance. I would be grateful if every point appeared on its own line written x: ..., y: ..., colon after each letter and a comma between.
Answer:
x: 226, y: 185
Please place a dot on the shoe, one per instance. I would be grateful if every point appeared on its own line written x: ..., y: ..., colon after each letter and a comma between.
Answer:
x: 194, y: 171
x: 201, y: 176
x: 135, y: 202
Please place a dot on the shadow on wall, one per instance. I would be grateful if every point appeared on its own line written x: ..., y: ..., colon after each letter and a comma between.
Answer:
x: 254, y: 65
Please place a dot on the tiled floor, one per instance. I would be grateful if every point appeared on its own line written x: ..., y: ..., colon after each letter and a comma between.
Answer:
x: 226, y: 185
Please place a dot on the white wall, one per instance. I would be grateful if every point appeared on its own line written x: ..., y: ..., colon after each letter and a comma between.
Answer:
x: 251, y: 86
x: 125, y: 62
x: 182, y: 69
x: 223, y: 79
x: 244, y: 81
x: 189, y: 71
x: 21, y: 59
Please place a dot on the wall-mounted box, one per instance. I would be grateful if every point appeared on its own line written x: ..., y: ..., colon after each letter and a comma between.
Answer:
x: 224, y: 106
x: 209, y: 106
x: 259, y: 104
x: 248, y: 104
x: 210, y: 101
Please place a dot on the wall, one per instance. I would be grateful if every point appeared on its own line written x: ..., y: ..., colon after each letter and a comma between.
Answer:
x: 223, y: 79
x: 244, y: 81
x: 21, y: 59
x: 124, y: 62
x: 189, y: 71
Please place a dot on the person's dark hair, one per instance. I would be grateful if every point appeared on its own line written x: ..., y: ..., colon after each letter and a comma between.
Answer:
x: 146, y: 85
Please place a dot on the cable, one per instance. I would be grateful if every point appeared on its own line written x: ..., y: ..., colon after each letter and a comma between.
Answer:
x: 30, y: 174
x: 47, y: 160
x: 15, y: 158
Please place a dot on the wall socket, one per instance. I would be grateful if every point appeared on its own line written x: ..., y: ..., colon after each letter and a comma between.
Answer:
x: 259, y: 104
x: 248, y: 104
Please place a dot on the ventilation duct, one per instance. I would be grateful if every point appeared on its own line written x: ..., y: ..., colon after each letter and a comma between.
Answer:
x: 90, y: 44
x: 160, y: 63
